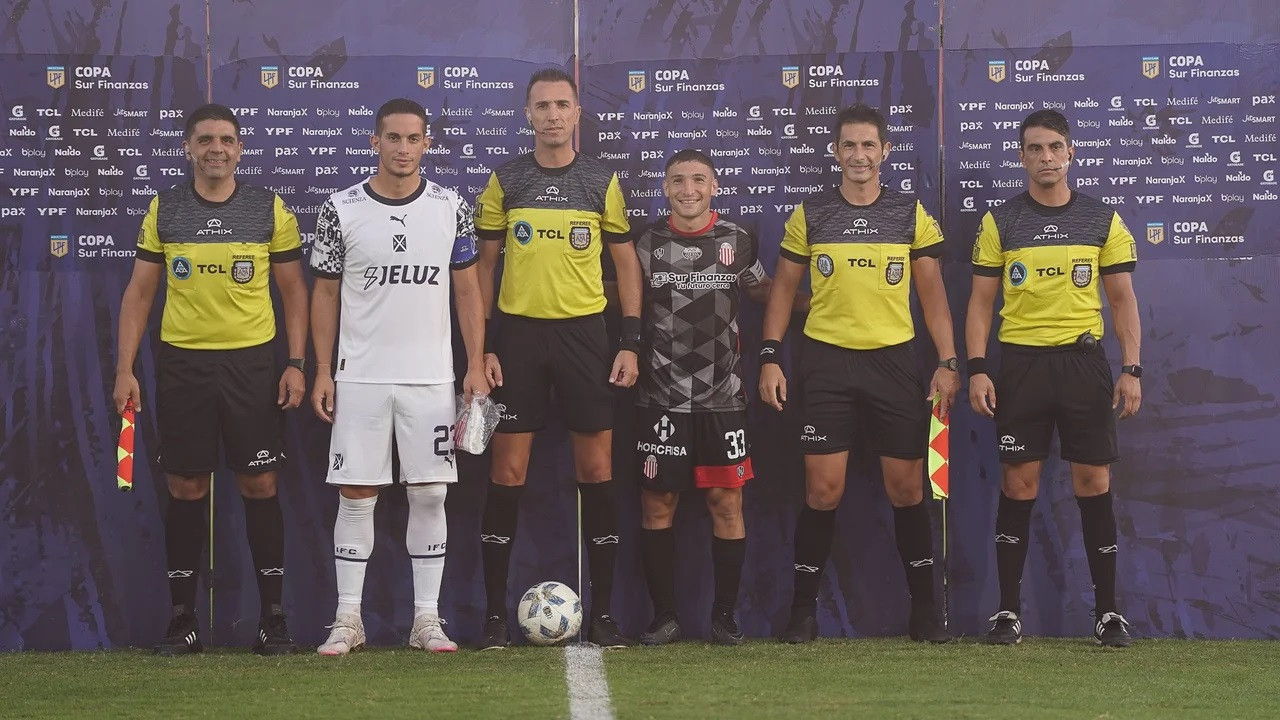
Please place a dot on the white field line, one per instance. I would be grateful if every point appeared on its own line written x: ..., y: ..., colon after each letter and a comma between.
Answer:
x: 588, y: 688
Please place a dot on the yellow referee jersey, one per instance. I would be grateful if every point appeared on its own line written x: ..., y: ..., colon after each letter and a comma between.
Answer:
x: 859, y: 257
x: 1050, y: 259
x: 218, y: 258
x: 554, y: 222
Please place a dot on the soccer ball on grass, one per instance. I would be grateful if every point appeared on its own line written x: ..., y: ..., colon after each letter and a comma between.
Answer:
x: 549, y: 612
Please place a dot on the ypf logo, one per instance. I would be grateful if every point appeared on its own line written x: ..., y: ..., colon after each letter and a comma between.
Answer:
x: 996, y: 71
x: 270, y: 76
x: 1155, y: 233
x: 635, y: 80
x: 664, y: 429
x: 55, y: 76
x: 426, y: 76
x: 1150, y: 67
x: 790, y: 75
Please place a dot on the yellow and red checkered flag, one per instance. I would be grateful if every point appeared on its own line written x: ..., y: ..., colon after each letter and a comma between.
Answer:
x: 124, y: 453
x: 939, y: 452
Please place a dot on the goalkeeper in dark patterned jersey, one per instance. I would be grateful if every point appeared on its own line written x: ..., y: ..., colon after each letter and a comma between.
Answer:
x: 691, y: 406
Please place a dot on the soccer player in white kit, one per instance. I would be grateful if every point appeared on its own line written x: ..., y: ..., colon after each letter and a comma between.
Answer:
x: 386, y: 253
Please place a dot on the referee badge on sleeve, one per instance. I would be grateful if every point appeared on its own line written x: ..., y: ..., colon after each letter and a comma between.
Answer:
x: 1082, y: 274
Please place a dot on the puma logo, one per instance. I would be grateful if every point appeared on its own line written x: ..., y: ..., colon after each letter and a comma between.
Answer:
x: 400, y: 219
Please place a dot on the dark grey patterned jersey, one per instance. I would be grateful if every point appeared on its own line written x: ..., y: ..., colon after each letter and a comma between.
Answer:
x: 691, y: 359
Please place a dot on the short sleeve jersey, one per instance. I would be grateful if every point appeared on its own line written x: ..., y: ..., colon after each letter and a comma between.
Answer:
x: 394, y: 258
x: 1050, y: 259
x: 690, y: 361
x: 554, y: 222
x: 218, y: 259
x: 860, y: 258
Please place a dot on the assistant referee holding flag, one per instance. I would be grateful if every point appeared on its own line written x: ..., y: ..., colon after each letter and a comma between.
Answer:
x: 1045, y: 250
x: 214, y: 241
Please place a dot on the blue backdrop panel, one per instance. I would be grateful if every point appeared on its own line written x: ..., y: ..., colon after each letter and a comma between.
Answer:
x: 172, y: 28
x: 615, y: 30
x: 87, y: 140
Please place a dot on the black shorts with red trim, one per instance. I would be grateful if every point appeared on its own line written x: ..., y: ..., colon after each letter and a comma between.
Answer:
x: 678, y: 450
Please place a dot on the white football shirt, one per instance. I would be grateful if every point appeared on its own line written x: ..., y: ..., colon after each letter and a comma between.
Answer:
x: 394, y: 259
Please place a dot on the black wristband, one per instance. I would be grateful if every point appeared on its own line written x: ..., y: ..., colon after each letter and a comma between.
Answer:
x: 490, y: 334
x: 771, y: 352
x: 630, y: 339
x: 976, y: 366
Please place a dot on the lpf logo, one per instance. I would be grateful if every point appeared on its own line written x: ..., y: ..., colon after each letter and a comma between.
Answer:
x: 55, y: 76
x: 58, y: 245
x: 996, y: 71
x: 1155, y: 233
x: 426, y: 76
x: 635, y: 80
x: 790, y: 75
x: 1150, y: 67
x: 270, y: 76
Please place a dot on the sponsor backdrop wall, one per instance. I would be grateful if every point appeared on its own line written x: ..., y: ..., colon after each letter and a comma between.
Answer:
x: 1174, y: 116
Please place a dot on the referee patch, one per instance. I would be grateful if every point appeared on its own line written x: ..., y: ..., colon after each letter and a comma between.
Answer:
x: 826, y: 265
x: 1082, y: 274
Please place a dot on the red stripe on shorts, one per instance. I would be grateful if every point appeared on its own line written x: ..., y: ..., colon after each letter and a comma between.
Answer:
x: 723, y: 476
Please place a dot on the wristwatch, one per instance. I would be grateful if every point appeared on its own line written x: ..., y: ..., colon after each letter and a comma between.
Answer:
x: 299, y: 363
x: 950, y: 363
x: 1134, y: 370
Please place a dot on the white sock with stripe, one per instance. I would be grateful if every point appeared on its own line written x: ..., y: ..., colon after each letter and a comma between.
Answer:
x: 352, y: 546
x: 425, y: 538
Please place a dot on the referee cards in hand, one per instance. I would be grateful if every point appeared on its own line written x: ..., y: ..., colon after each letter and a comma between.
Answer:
x: 476, y: 422
x: 124, y: 452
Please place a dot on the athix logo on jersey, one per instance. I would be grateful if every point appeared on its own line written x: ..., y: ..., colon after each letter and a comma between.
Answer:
x: 651, y: 467
x: 58, y: 245
x: 393, y: 217
x: 55, y: 76
x: 995, y: 70
x: 552, y: 194
x: 691, y: 253
x: 664, y: 429
x: 426, y: 76
x: 1150, y: 67
x: 1081, y: 274
x: 810, y: 434
x: 399, y: 243
x: 860, y: 228
x: 270, y: 76
x: 1017, y: 274
x: 1155, y: 233
x: 726, y: 253
x: 1050, y: 232
x: 635, y: 80
x: 790, y: 75
x: 213, y: 227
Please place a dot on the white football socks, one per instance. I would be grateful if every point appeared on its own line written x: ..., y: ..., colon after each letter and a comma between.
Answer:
x: 425, y: 538
x: 352, y: 546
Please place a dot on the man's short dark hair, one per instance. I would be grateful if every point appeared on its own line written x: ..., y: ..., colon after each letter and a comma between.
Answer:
x: 212, y: 111
x: 691, y: 155
x: 1048, y: 119
x: 400, y: 106
x: 550, y: 74
x: 856, y: 114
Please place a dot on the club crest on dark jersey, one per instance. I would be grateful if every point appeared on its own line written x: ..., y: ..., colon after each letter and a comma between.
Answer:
x: 579, y: 237
x: 893, y: 272
x: 1082, y: 274
x: 691, y: 253
x: 242, y: 271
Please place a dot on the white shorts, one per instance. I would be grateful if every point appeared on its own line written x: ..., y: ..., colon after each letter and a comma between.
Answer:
x: 365, y: 417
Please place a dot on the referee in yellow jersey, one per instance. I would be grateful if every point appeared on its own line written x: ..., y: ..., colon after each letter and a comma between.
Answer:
x: 864, y: 245
x: 553, y: 212
x: 1048, y: 250
x: 214, y: 241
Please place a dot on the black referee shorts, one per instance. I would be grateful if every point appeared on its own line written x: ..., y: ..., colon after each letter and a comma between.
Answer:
x: 570, y: 356
x: 844, y: 392
x: 204, y: 394
x: 1040, y: 389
